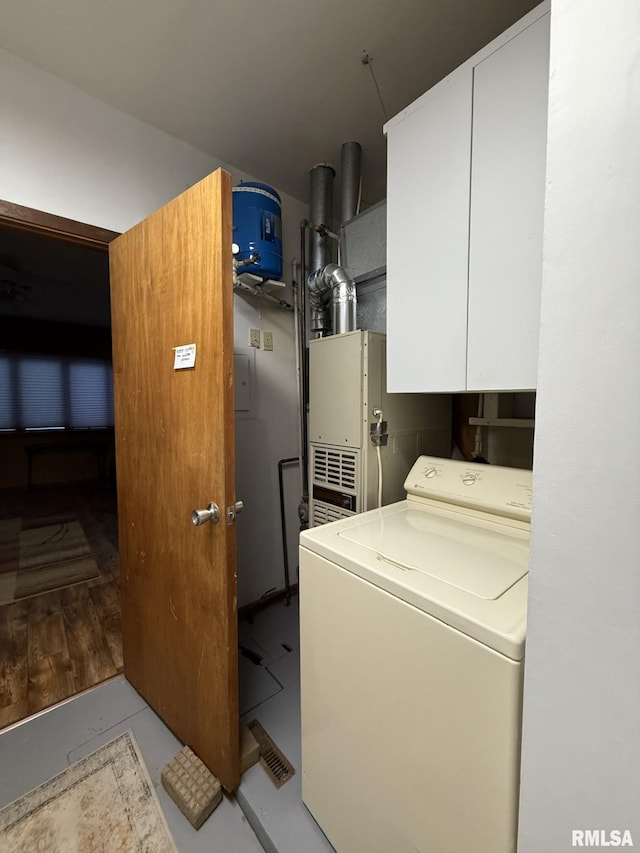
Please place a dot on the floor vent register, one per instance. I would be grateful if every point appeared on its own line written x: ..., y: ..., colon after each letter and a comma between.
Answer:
x: 278, y: 767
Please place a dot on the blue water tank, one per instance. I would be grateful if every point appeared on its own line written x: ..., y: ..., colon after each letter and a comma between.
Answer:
x: 257, y: 228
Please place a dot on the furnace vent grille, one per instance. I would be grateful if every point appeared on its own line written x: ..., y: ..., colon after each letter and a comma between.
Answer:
x: 324, y: 513
x: 336, y: 468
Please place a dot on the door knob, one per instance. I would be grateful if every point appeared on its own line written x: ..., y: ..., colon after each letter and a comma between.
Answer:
x: 201, y: 516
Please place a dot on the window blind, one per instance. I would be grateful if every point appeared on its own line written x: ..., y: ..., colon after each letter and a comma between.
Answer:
x: 90, y: 395
x: 48, y: 392
x: 41, y: 397
x: 7, y: 406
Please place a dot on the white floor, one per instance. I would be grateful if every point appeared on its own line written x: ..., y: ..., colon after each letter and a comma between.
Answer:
x: 261, y: 816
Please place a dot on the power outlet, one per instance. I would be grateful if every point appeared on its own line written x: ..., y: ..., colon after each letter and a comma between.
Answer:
x: 254, y: 338
x: 268, y: 341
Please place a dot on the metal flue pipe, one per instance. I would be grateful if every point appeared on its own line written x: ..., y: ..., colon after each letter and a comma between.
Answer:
x: 333, y: 286
x: 350, y: 188
x: 343, y: 306
x: 320, y: 213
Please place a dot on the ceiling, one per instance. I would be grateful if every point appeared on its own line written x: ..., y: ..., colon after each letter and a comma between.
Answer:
x: 270, y: 87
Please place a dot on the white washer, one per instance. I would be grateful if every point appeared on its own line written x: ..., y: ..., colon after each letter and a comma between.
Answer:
x: 412, y: 621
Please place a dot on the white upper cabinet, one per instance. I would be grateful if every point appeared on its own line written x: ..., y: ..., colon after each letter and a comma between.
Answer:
x: 428, y: 175
x: 465, y: 210
x: 510, y: 95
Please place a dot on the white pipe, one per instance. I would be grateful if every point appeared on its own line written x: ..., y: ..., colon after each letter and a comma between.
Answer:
x: 379, y: 475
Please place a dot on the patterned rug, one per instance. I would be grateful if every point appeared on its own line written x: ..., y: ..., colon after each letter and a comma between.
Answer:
x: 104, y: 802
x: 42, y: 554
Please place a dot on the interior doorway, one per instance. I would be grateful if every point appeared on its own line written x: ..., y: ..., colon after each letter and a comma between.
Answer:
x: 59, y: 577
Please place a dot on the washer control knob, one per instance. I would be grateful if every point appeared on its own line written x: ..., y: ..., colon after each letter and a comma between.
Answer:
x: 469, y: 479
x: 430, y: 472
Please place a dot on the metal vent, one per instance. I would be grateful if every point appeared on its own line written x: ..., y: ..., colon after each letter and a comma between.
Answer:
x: 324, y: 513
x: 335, y: 467
x: 279, y: 768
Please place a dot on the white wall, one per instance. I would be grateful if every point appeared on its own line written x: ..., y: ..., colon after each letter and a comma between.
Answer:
x: 66, y: 153
x: 581, y: 740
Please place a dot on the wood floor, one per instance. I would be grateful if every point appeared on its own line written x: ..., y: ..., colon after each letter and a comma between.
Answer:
x: 57, y: 644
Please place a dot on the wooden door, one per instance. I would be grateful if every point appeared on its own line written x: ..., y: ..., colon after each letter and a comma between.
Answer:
x: 171, y: 286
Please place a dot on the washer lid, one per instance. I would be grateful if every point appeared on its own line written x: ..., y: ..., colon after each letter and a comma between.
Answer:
x: 482, y: 561
x: 467, y: 569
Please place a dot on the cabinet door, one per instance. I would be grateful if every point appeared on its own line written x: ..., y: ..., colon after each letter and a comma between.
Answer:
x: 429, y: 155
x: 510, y: 93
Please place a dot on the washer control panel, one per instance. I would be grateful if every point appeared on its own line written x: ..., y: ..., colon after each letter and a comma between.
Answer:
x: 489, y: 488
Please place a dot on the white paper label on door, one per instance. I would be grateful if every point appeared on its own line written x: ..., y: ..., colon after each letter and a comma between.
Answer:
x: 185, y: 356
